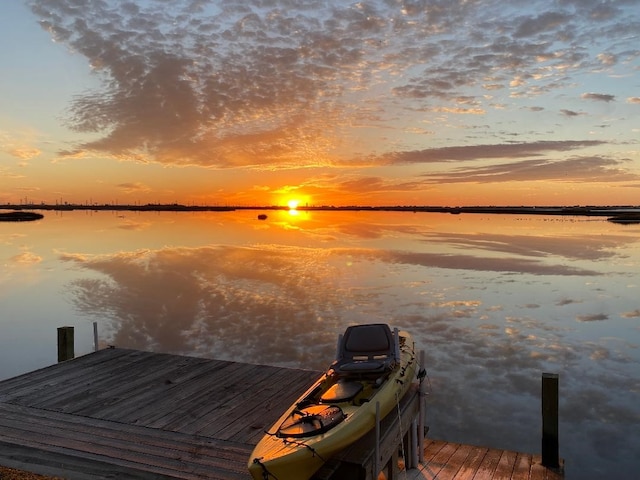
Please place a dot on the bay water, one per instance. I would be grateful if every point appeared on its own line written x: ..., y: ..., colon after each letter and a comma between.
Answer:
x: 493, y: 300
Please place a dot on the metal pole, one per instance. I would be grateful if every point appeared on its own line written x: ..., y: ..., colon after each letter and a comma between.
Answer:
x: 377, y: 463
x: 422, y: 413
x: 414, y: 444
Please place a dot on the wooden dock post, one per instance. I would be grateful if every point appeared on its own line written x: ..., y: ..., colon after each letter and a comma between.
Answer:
x: 95, y: 337
x: 550, y: 444
x: 65, y: 344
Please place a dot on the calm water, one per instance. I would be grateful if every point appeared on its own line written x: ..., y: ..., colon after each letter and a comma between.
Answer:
x: 493, y: 300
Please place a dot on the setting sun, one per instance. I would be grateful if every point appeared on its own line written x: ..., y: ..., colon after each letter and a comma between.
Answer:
x: 339, y: 135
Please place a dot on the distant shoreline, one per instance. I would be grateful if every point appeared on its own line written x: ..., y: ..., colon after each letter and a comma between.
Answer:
x: 608, y: 211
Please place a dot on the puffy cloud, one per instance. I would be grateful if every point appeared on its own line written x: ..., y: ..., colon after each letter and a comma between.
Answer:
x: 133, y: 187
x: 546, y: 22
x: 570, y: 113
x: 24, y: 153
x: 17, y: 145
x: 596, y: 317
x: 601, y: 97
x: 608, y: 59
x: 26, y: 258
x: 284, y: 84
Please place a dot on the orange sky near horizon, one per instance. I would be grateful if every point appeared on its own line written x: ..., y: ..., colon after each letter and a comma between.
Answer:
x: 411, y: 103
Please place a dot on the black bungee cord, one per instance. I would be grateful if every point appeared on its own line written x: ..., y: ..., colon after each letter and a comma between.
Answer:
x: 266, y: 474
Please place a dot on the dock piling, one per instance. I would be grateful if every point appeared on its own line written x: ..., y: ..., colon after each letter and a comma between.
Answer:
x: 550, y: 444
x: 95, y: 337
x: 65, y: 344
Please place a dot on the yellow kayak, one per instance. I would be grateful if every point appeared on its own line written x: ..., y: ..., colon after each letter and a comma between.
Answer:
x: 374, y: 366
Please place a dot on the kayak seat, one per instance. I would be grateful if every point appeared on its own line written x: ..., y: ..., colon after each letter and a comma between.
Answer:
x: 341, y: 391
x: 366, y: 349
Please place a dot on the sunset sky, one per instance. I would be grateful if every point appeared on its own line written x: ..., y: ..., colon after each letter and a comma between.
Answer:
x: 257, y: 102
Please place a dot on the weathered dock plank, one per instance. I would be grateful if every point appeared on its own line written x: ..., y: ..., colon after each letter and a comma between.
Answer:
x: 245, y: 413
x: 29, y: 386
x: 453, y: 466
x: 506, y: 464
x: 453, y: 461
x: 488, y: 465
x: 126, y: 414
x: 188, y: 399
x: 131, y: 407
x: 469, y: 465
x: 230, y: 389
x: 168, y: 454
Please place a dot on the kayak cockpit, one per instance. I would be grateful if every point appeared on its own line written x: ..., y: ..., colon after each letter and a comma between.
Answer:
x: 311, y: 420
x: 367, y: 355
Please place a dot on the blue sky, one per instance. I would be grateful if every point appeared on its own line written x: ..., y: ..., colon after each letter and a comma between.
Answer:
x: 387, y: 102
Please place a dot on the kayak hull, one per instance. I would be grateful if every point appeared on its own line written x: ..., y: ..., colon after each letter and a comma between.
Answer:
x: 311, y: 430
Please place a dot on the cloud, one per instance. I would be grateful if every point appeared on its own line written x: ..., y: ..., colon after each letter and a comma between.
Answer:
x: 566, y: 301
x: 596, y: 317
x: 607, y: 59
x: 26, y: 258
x: 546, y: 22
x: 10, y: 144
x: 570, y: 113
x: 495, y: 151
x: 6, y: 173
x: 24, y: 153
x: 284, y: 84
x: 211, y: 85
x: 133, y: 187
x: 600, y: 97
x: 583, y: 169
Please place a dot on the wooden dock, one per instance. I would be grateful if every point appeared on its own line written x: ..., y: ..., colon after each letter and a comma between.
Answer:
x: 127, y: 414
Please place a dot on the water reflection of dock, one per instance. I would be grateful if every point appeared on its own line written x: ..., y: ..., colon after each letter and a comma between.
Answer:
x: 122, y: 413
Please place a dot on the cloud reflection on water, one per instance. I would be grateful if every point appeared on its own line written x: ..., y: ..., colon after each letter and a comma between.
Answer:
x: 250, y: 304
x: 490, y: 325
x: 179, y: 299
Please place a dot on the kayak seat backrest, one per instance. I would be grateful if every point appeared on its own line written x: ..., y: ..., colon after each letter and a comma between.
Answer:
x: 366, y: 349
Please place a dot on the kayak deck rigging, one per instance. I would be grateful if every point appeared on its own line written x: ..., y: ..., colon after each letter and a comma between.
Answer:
x: 373, y: 370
